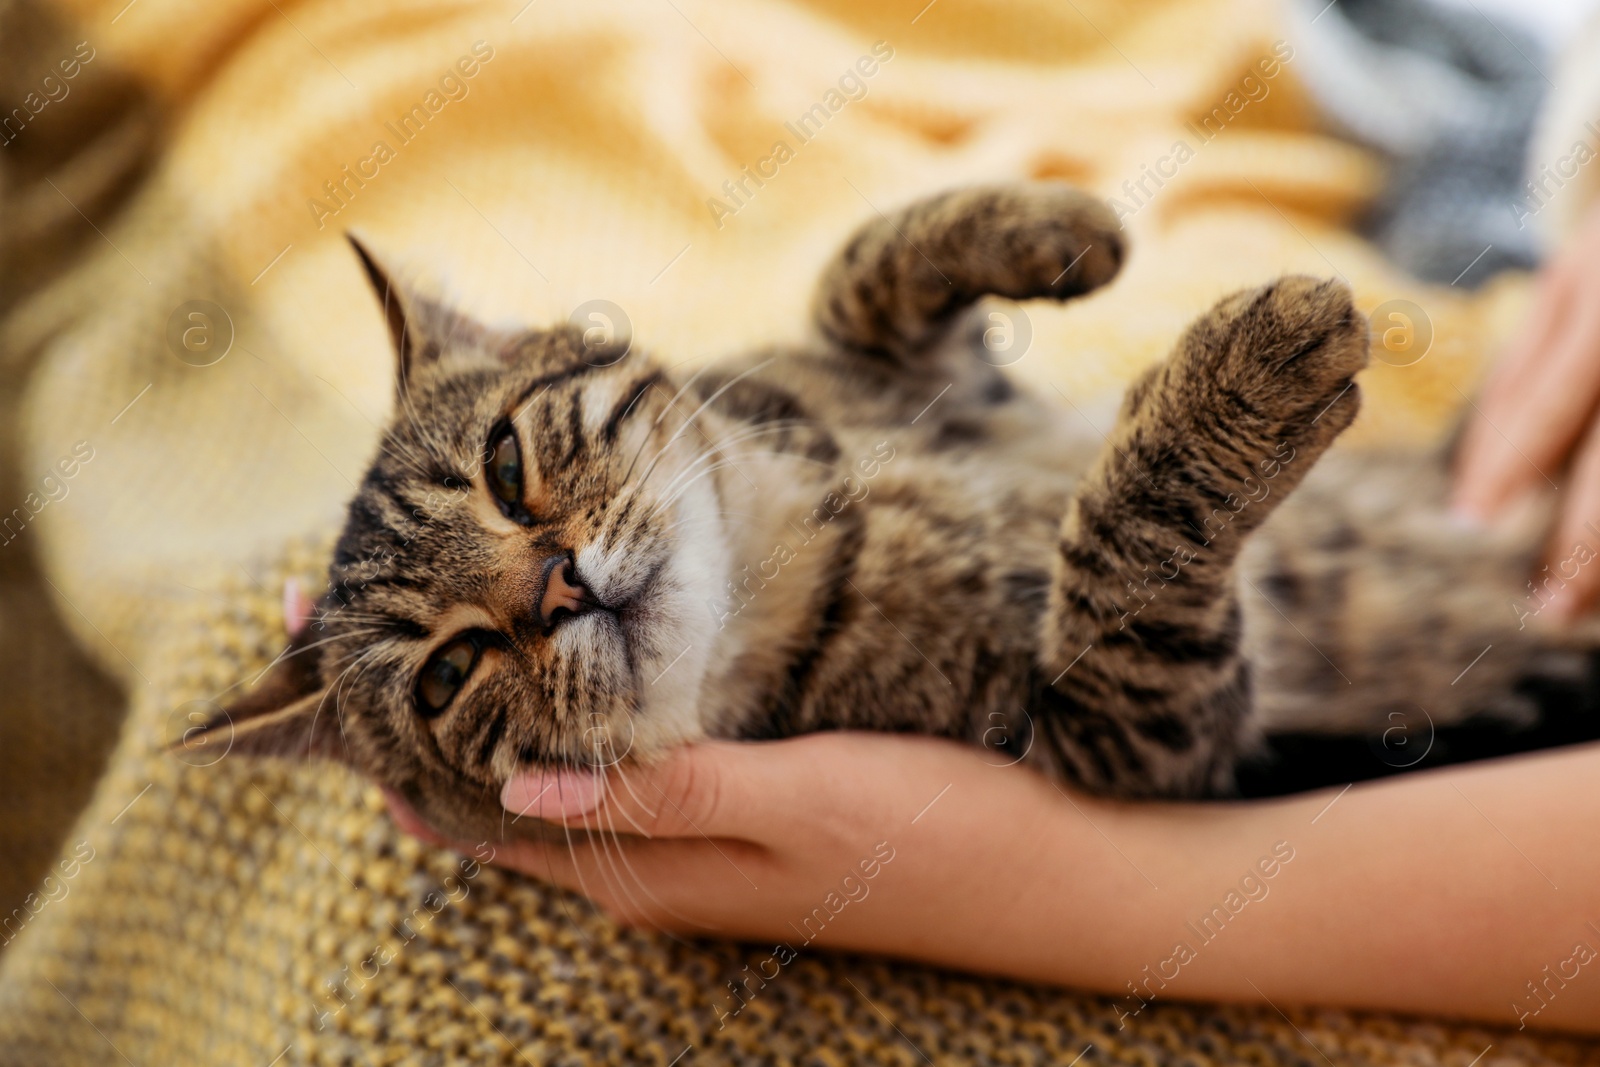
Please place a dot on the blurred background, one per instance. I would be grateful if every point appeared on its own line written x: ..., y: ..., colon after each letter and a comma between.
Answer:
x: 208, y: 157
x: 59, y: 713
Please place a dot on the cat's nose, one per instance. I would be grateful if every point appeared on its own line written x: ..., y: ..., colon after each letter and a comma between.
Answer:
x: 564, y: 597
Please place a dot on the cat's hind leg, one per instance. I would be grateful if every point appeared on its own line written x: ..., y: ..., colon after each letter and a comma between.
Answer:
x: 1142, y: 686
x: 899, y: 282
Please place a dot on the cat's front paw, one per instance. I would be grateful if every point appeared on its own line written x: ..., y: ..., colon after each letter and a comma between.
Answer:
x: 1043, y: 239
x: 1285, y: 355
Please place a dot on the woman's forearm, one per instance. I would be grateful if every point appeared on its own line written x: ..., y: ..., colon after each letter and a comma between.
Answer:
x: 1472, y: 891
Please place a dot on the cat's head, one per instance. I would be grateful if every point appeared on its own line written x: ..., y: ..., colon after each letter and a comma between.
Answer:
x: 522, y: 576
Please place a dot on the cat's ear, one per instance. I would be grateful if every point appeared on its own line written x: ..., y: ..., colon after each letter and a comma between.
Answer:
x: 289, y: 713
x: 424, y: 332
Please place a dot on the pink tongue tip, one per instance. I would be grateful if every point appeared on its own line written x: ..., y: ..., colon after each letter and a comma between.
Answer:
x: 552, y: 794
x: 296, y: 607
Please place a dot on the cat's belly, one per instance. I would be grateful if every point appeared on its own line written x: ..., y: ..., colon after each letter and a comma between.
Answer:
x: 1362, y: 595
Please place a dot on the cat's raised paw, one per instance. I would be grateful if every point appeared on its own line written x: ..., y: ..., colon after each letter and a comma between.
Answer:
x: 1046, y: 239
x: 1286, y: 353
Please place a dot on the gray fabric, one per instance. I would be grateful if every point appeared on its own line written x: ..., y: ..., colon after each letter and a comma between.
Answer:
x: 1450, y: 98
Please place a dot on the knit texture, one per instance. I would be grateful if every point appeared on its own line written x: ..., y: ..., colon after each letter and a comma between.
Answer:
x: 239, y: 912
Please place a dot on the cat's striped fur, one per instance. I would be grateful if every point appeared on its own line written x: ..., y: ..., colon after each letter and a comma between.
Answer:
x: 878, y: 530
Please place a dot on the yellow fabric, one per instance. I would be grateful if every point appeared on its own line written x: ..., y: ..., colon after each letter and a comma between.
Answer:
x: 578, y: 165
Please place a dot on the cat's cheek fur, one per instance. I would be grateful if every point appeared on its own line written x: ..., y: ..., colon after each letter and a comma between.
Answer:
x: 668, y: 627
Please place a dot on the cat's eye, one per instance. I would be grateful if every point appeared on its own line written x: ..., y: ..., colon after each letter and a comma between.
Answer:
x: 444, y: 674
x: 504, y: 469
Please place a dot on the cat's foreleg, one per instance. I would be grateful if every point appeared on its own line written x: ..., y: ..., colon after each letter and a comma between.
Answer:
x: 901, y: 279
x: 1143, y: 688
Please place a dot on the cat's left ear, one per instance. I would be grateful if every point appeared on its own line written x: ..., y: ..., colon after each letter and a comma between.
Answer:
x: 290, y: 714
x: 426, y: 333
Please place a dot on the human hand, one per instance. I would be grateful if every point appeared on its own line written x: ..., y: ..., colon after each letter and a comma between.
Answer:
x: 888, y: 843
x: 1540, y: 411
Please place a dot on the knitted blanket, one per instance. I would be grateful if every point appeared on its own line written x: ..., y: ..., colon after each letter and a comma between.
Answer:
x: 216, y: 351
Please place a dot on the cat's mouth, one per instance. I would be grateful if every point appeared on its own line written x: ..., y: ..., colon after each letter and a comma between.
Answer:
x: 633, y: 604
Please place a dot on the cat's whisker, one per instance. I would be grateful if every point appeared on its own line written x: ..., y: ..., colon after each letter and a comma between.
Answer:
x: 622, y: 855
x: 608, y: 840
x: 717, y: 516
x: 669, y: 500
x: 690, y: 484
x: 687, y: 423
x: 440, y: 450
x: 430, y: 445
x: 561, y: 898
x: 351, y: 656
x: 628, y: 785
x: 351, y: 615
x: 328, y: 641
x: 720, y: 448
x: 572, y: 851
x: 333, y: 691
x: 402, y: 453
x: 718, y: 451
x: 671, y: 404
x: 338, y: 702
x: 700, y: 460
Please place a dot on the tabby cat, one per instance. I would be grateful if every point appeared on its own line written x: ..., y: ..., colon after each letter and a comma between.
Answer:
x: 568, y: 554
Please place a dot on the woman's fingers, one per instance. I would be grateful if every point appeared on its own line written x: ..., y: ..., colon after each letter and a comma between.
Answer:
x: 712, y: 789
x: 1539, y: 403
x: 737, y: 838
x: 637, y: 881
x: 674, y: 883
x: 1508, y: 382
x: 1571, y: 554
x: 1532, y: 409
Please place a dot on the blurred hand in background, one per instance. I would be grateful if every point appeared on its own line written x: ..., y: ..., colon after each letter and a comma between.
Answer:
x: 1539, y: 416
